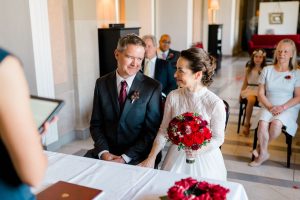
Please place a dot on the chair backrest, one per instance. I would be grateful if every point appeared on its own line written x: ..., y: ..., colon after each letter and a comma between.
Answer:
x: 162, y: 104
x: 227, y: 108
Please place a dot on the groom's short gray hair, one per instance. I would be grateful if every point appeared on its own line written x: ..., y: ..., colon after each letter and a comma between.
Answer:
x: 129, y: 39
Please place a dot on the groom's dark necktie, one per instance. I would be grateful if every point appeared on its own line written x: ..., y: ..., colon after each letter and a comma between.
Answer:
x: 122, y: 95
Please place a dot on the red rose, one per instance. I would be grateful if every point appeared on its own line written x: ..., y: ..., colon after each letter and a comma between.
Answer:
x: 204, y: 196
x: 176, y: 192
x: 171, y: 55
x: 186, y: 183
x: 288, y: 77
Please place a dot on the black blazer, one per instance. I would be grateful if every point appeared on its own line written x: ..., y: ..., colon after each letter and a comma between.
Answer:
x: 164, y: 73
x: 133, y: 131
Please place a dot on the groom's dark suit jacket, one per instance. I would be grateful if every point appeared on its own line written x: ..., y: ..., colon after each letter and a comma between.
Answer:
x: 133, y: 131
x: 164, y: 73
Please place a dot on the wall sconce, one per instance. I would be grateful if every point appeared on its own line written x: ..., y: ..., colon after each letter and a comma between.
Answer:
x: 214, y: 6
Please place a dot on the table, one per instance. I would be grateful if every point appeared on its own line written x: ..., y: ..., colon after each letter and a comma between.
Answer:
x: 119, y: 181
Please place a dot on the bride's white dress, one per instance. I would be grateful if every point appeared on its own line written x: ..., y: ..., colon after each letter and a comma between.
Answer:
x: 209, y: 161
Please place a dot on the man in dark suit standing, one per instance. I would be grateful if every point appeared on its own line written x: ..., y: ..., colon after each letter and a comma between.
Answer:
x: 165, y: 52
x: 126, y: 110
x: 157, y: 68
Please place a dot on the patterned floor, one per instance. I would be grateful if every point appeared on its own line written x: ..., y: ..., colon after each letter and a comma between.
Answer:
x: 272, y: 180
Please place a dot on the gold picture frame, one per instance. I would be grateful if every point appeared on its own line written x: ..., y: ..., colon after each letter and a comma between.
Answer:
x: 276, y: 18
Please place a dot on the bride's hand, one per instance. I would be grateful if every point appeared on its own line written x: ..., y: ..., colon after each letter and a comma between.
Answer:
x: 149, y: 162
x: 191, y: 153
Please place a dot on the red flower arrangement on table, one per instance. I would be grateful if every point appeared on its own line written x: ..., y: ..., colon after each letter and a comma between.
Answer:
x: 190, y: 132
x: 191, y: 189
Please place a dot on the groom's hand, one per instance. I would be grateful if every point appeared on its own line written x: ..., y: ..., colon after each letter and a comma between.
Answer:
x: 108, y: 156
x: 119, y: 159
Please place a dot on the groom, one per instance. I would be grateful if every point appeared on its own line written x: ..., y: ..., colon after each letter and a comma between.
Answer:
x: 126, y: 110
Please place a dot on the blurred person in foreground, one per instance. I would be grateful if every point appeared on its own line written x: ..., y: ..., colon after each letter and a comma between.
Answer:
x: 23, y: 162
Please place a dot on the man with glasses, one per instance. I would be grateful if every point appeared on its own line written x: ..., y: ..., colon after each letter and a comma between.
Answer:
x: 164, y: 51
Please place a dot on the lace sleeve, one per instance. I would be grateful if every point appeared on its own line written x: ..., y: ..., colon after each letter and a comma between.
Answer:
x: 217, y: 126
x: 161, y: 139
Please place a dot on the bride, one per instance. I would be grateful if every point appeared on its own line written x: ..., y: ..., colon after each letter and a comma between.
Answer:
x: 194, y: 73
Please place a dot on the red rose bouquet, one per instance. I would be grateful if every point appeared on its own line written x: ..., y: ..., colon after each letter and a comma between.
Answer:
x: 189, y: 131
x: 191, y: 189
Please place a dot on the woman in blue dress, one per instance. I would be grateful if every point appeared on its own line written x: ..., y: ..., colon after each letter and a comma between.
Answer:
x: 23, y: 162
x: 279, y: 93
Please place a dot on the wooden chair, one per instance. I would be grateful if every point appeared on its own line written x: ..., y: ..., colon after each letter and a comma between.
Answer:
x: 288, y: 141
x: 242, y: 112
x: 227, y: 109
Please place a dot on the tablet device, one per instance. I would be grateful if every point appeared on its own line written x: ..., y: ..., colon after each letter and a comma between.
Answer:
x: 44, y: 109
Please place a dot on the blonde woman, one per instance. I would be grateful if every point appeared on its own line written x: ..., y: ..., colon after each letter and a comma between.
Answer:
x: 279, y: 93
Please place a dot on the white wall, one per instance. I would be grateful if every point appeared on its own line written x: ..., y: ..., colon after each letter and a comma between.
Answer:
x: 86, y: 62
x: 197, y: 21
x: 140, y: 14
x: 16, y: 36
x: 290, y: 17
x: 226, y: 17
x: 61, y: 48
x: 175, y: 17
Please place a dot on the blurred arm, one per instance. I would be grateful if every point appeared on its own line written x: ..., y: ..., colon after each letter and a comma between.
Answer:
x: 18, y: 130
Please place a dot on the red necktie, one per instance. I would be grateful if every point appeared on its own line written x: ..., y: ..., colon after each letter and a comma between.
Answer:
x: 122, y: 95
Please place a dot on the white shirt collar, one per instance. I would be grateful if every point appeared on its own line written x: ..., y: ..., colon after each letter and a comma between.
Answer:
x: 153, y: 60
x: 160, y: 52
x: 128, y: 80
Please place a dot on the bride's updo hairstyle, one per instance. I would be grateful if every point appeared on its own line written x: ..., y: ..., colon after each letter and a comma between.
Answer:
x: 199, y: 60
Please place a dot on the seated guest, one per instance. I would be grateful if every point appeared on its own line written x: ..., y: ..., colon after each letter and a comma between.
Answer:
x: 126, y: 109
x: 157, y: 68
x: 23, y: 163
x: 250, y: 85
x: 279, y: 93
x: 165, y: 52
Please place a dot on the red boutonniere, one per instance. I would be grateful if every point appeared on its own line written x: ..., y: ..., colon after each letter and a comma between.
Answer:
x: 288, y: 77
x: 135, y: 96
x: 171, y: 55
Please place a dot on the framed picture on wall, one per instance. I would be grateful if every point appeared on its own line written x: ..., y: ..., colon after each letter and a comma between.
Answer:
x: 276, y: 18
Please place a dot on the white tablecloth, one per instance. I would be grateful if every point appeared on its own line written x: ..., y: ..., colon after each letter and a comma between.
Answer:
x: 119, y: 181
